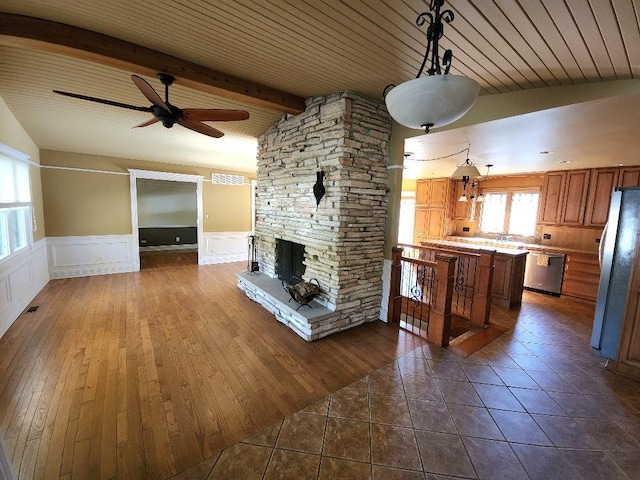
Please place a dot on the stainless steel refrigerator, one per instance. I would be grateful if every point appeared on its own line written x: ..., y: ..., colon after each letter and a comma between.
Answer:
x: 617, y: 249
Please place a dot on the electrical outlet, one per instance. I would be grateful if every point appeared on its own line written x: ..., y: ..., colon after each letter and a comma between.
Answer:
x: 547, y: 236
x: 99, y: 259
x: 177, y: 239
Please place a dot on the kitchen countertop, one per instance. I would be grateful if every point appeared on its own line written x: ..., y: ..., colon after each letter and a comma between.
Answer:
x: 475, y: 246
x: 480, y: 242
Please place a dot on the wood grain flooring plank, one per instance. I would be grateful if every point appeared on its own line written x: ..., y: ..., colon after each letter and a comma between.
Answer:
x: 142, y: 375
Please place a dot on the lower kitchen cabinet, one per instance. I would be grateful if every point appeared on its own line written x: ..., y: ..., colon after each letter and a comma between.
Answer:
x: 581, y: 276
x: 508, y: 279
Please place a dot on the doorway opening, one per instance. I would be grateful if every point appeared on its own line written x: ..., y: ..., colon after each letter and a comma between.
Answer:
x: 166, y: 213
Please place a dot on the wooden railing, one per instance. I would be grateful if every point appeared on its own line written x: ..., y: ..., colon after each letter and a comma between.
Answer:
x: 428, y: 285
x: 420, y: 296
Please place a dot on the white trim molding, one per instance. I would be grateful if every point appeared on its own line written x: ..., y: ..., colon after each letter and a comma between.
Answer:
x: 21, y: 279
x: 83, y: 256
x: 176, y: 177
x: 386, y: 288
x: 224, y: 247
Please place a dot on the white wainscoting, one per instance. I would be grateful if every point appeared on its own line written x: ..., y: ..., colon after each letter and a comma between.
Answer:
x: 21, y: 278
x: 87, y: 255
x: 386, y: 288
x: 224, y: 247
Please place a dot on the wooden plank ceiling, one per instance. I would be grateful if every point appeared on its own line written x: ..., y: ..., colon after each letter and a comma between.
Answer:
x: 306, y: 48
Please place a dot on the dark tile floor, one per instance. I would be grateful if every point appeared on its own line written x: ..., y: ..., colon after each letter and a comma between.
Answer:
x: 535, y: 403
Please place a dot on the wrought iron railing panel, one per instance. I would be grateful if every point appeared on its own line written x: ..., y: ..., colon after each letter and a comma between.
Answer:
x: 465, y: 275
x: 417, y: 289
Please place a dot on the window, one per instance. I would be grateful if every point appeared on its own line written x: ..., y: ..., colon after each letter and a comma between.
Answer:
x: 510, y: 213
x: 407, y: 213
x: 15, y: 206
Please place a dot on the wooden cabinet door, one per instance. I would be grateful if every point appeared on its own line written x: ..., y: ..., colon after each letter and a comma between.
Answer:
x: 581, y: 276
x: 420, y: 224
x: 575, y: 197
x: 628, y: 361
x: 460, y: 209
x: 435, y: 227
x: 551, y: 198
x: 603, y: 181
x: 438, y: 192
x: 629, y: 177
x: 422, y: 192
x: 501, y: 275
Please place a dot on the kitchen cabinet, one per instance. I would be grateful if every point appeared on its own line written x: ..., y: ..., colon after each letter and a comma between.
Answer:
x: 428, y: 224
x: 551, y: 198
x: 508, y: 269
x: 581, y: 276
x: 629, y: 177
x: 574, y: 199
x: 432, y: 192
x: 508, y: 279
x: 582, y: 197
x: 628, y: 359
x: 603, y: 181
x: 432, y: 199
x: 460, y: 210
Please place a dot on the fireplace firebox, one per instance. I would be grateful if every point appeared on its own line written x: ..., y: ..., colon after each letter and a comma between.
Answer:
x: 290, y: 260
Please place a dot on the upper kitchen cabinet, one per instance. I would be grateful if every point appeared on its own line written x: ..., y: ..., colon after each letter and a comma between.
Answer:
x: 575, y: 197
x: 629, y: 177
x: 552, y: 197
x: 582, y: 197
x: 432, y: 192
x: 460, y: 210
x: 603, y: 181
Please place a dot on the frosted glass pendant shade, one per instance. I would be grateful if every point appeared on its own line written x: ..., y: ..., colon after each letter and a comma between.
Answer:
x: 435, y: 100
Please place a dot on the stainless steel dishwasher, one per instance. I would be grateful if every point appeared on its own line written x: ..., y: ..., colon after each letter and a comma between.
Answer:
x: 543, y: 272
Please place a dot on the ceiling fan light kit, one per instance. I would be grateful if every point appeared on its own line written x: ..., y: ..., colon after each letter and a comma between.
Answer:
x: 167, y: 114
x: 438, y: 99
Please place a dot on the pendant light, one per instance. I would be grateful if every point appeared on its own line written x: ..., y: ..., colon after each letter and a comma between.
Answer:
x: 439, y: 98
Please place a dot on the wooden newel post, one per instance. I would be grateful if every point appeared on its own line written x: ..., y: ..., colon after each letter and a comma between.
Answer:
x: 440, y: 317
x: 393, y: 310
x: 484, y: 285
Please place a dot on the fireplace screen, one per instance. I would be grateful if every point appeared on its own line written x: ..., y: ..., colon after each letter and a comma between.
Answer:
x: 290, y: 260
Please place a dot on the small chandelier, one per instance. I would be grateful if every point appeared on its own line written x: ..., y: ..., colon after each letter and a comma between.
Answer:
x: 466, y: 172
x: 435, y: 100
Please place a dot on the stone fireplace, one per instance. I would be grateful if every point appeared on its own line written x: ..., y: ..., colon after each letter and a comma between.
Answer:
x: 345, y: 136
x: 289, y: 260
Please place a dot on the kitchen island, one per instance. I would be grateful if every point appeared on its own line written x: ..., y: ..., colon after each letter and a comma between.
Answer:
x: 508, y: 271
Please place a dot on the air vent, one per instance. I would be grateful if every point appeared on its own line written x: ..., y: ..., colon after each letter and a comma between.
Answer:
x: 224, y: 179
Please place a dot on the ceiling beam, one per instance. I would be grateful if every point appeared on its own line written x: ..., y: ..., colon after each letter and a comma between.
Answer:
x: 43, y: 35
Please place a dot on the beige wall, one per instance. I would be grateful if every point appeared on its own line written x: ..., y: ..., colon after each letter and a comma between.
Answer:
x: 90, y: 203
x: 13, y: 135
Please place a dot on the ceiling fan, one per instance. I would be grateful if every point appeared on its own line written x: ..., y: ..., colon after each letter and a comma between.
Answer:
x: 168, y: 114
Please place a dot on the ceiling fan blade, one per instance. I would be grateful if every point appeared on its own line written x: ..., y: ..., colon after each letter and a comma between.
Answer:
x: 148, y: 91
x: 201, y: 128
x: 103, y: 101
x: 147, y: 123
x: 213, y: 114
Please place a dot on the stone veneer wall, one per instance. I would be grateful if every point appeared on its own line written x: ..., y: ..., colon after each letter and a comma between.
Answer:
x: 346, y: 136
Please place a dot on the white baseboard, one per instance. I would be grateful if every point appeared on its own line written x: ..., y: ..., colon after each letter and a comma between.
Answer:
x: 168, y: 248
x: 224, y: 247
x: 386, y: 288
x: 82, y: 256
x: 21, y: 279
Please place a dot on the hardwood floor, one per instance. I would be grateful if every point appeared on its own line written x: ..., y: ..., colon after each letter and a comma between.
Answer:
x: 143, y: 375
